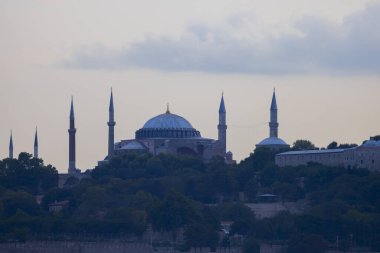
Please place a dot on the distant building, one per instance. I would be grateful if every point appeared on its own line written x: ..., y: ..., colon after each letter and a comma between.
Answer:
x: 273, y: 142
x: 328, y: 157
x: 57, y: 206
x: 172, y: 134
x: 366, y: 156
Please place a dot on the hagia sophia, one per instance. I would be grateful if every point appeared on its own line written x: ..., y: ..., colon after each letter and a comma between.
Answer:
x: 173, y: 134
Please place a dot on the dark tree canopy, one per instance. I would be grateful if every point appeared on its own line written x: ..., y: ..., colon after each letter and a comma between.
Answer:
x: 332, y: 145
x: 172, y: 193
x: 303, y: 145
x: 27, y: 173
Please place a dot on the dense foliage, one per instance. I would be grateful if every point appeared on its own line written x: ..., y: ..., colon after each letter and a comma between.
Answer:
x: 127, y: 195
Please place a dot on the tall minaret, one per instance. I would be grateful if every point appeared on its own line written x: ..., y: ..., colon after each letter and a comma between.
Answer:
x: 222, y: 127
x: 273, y: 124
x: 11, y: 146
x: 72, y: 131
x: 35, y: 145
x: 111, y: 131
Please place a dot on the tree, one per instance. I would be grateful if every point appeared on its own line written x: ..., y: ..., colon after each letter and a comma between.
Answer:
x: 308, y: 243
x: 303, y: 145
x: 251, y: 245
x: 347, y: 145
x: 176, y: 211
x: 27, y: 173
x: 332, y: 145
x: 201, y: 235
x: 241, y: 215
x: 19, y: 200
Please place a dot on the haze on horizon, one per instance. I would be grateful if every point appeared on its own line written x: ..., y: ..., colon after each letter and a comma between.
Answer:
x: 322, y: 57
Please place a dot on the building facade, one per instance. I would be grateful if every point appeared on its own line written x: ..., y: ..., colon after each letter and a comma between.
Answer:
x: 366, y: 156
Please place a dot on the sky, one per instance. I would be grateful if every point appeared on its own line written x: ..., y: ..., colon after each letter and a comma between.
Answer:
x: 323, y: 58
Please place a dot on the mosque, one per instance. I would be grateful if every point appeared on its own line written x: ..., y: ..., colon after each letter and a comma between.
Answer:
x: 165, y: 133
x: 273, y: 142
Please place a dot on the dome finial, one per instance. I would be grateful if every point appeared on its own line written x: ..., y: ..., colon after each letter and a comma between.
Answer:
x: 167, y: 108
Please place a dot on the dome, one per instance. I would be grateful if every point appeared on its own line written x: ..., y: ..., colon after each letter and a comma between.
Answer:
x: 371, y: 143
x: 167, y: 125
x: 272, y: 141
x: 168, y: 121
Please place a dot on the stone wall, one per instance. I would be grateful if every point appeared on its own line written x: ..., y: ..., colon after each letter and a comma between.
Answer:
x: 94, y: 247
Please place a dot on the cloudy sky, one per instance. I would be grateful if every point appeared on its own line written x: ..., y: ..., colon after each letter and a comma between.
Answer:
x: 322, y: 56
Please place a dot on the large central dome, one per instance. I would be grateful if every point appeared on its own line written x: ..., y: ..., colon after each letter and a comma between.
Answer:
x: 167, y: 121
x: 167, y: 125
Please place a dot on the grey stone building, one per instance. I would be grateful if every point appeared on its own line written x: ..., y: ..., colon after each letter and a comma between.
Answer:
x: 366, y: 156
x: 172, y: 134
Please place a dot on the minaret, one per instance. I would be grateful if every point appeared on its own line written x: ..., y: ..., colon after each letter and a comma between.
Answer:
x: 111, y: 132
x: 273, y: 124
x: 222, y: 127
x: 11, y: 147
x: 35, y: 145
x: 72, y: 131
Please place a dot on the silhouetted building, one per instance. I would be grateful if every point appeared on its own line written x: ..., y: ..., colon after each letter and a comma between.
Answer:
x: 173, y: 134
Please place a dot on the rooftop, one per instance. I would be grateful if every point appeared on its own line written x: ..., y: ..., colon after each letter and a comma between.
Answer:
x: 316, y: 151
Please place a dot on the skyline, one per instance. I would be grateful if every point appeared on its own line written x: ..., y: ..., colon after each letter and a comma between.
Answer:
x: 235, y: 128
x: 322, y: 57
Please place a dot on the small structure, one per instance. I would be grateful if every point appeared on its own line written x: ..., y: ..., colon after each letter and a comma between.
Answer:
x: 57, y: 206
x: 267, y: 198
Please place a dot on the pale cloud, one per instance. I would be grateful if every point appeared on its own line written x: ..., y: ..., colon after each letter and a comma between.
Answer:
x: 241, y: 45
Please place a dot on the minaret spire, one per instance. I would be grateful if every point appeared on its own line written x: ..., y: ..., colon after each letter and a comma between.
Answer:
x: 11, y: 146
x: 111, y: 131
x: 111, y: 101
x: 72, y: 117
x: 222, y: 126
x: 222, y: 108
x: 273, y: 124
x: 72, y: 130
x: 35, y: 145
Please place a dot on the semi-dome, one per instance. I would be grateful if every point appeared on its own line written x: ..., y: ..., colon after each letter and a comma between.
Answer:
x: 133, y: 145
x: 167, y: 121
x: 167, y: 125
x: 272, y: 141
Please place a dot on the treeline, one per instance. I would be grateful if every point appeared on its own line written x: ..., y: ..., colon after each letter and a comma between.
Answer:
x: 169, y: 193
